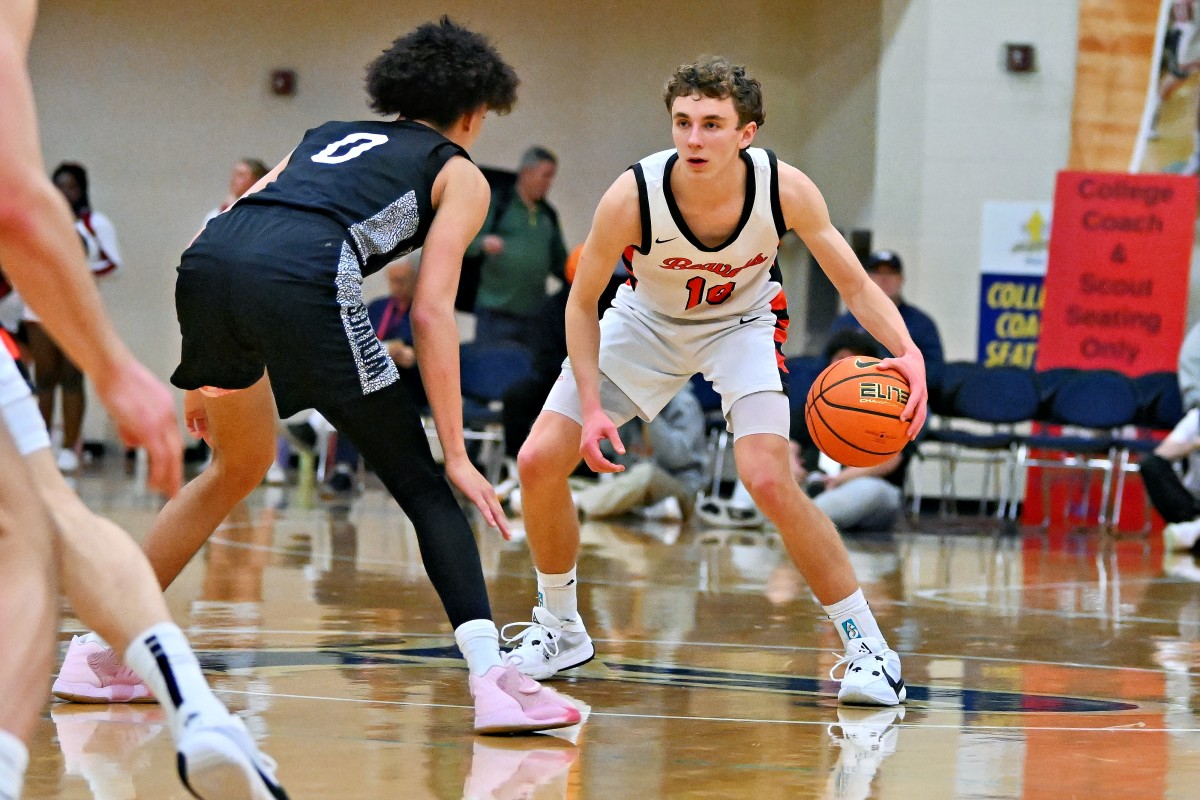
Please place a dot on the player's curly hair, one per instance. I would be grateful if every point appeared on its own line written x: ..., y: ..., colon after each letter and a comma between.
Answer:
x: 439, y: 72
x: 714, y: 76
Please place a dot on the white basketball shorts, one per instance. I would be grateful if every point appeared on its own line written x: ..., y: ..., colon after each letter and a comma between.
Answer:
x: 645, y: 359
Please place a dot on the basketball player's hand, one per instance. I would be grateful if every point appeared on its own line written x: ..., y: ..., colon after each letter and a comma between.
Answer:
x: 912, y: 367
x: 596, y: 428
x: 475, y: 487
x: 195, y: 419
x: 144, y: 412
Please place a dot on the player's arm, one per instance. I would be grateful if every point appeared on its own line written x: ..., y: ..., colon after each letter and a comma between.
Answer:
x: 805, y: 212
x: 460, y: 197
x: 616, y: 225
x: 41, y: 255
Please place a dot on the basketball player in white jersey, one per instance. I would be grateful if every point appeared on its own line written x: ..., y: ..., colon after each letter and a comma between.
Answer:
x: 699, y: 227
x: 48, y: 538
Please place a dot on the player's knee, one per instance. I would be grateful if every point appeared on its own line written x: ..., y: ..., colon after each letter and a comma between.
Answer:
x: 770, y: 488
x: 540, y: 459
x: 243, y: 472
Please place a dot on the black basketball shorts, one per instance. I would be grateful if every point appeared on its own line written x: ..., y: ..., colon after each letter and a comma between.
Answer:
x: 280, y: 290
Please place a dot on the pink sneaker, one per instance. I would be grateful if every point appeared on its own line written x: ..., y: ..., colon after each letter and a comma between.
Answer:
x: 508, y: 702
x: 92, y: 673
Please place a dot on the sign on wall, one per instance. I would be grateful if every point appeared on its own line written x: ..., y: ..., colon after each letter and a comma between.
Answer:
x: 1116, y: 287
x: 1013, y: 254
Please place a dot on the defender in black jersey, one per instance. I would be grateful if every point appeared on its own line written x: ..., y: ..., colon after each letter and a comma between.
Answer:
x: 273, y: 287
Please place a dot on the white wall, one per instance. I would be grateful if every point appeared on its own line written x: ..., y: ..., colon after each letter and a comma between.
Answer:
x: 159, y: 99
x: 956, y: 130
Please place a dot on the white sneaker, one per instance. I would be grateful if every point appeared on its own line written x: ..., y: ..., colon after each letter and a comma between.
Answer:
x: 221, y: 762
x: 1181, y: 536
x: 548, y: 645
x: 865, y: 736
x: 68, y: 461
x: 667, y: 510
x: 872, y: 676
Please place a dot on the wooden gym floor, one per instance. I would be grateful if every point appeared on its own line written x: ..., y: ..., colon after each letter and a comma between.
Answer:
x: 1038, y: 666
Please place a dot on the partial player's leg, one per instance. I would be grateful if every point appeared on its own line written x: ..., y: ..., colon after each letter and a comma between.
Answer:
x: 112, y: 588
x: 760, y: 426
x: 556, y: 639
x: 386, y: 428
x: 241, y: 428
x: 28, y: 612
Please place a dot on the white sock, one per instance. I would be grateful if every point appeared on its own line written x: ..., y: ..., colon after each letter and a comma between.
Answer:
x: 479, y: 642
x: 14, y: 758
x: 853, y: 618
x: 162, y: 657
x: 556, y: 594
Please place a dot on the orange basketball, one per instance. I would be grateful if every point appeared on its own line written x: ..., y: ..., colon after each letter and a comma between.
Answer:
x: 853, y: 412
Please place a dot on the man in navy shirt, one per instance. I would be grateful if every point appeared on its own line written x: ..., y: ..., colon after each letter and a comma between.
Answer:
x: 887, y: 270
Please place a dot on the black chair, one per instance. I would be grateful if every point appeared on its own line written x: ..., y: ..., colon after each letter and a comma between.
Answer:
x: 1089, y: 408
x: 980, y: 412
x: 486, y: 372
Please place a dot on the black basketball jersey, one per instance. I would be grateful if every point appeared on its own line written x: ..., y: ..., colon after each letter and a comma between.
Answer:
x: 374, y: 178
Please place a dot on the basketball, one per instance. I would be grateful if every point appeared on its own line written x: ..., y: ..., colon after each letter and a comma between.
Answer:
x: 853, y: 412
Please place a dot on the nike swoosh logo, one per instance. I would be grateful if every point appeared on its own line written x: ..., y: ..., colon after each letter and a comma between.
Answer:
x: 861, y: 362
x: 664, y: 241
x: 743, y: 320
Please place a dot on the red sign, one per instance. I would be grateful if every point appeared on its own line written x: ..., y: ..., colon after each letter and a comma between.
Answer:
x: 1117, y: 279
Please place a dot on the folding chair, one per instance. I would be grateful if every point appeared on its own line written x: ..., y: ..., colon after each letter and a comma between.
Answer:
x: 1091, y: 406
x: 486, y: 373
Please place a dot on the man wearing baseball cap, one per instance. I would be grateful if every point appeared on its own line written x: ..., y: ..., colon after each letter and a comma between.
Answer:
x: 887, y: 270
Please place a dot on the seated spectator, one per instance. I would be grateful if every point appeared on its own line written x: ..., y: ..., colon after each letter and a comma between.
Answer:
x: 887, y: 270
x: 664, y: 466
x: 1176, y: 498
x: 855, y: 498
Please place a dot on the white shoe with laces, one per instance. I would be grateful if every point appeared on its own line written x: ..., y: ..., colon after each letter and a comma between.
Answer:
x: 219, y: 761
x: 548, y: 645
x: 872, y: 676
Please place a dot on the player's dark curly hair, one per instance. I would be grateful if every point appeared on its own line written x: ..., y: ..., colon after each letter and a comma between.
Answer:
x: 439, y: 72
x: 714, y: 76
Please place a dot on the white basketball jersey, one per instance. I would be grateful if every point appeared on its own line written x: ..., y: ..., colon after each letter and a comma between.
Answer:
x: 676, y: 276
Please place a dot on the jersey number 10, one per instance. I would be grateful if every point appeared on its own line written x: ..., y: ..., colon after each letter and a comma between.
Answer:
x: 714, y: 296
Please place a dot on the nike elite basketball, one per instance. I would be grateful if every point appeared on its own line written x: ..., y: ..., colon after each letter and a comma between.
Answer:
x: 853, y: 412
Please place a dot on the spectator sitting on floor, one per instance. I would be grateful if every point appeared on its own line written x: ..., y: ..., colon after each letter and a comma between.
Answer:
x: 664, y: 467
x: 855, y: 498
